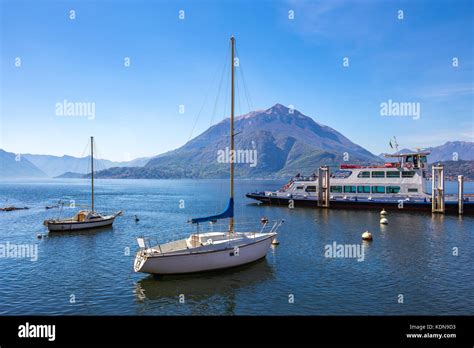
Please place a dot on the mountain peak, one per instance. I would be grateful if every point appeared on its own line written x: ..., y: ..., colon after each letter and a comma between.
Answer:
x: 278, y: 109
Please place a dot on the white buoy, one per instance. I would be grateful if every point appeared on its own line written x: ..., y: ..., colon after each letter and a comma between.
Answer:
x: 367, y: 235
x: 383, y: 212
x: 275, y: 241
x: 383, y: 221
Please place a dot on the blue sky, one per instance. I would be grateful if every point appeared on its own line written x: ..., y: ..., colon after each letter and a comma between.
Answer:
x: 175, y: 62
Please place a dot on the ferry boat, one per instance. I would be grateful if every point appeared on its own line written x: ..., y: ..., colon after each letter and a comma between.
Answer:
x: 396, y: 185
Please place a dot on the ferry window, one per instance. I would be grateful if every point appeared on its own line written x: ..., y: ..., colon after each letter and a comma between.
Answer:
x: 310, y: 189
x: 336, y: 189
x: 350, y: 189
x: 363, y: 189
x: 364, y: 175
x: 393, y: 174
x: 412, y: 190
x: 408, y: 174
x: 409, y: 159
x: 393, y: 189
x: 423, y: 159
x: 299, y: 187
x: 378, y: 174
x: 378, y: 189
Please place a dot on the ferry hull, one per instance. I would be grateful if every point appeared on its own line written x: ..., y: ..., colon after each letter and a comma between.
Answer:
x: 451, y: 207
x: 75, y: 226
x: 202, y: 262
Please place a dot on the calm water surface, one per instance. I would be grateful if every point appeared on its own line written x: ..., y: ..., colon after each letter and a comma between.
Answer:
x: 412, y: 256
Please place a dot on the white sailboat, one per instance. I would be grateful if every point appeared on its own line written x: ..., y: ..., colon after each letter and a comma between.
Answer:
x: 84, y: 219
x: 212, y: 250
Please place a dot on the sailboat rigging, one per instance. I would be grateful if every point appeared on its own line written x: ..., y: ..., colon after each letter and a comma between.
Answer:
x: 84, y: 219
x: 211, y: 250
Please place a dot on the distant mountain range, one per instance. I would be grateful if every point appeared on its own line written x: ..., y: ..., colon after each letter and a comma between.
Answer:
x: 450, y: 151
x: 57, y: 165
x: 13, y: 166
x: 37, y: 166
x: 277, y: 142
x: 454, y: 168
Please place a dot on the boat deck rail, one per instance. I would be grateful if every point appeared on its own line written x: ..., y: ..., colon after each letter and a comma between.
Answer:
x: 176, y: 237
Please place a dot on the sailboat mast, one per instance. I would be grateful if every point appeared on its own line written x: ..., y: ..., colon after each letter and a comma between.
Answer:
x: 92, y: 171
x: 232, y: 154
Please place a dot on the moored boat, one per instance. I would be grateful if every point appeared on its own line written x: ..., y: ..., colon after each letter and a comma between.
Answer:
x: 397, y: 185
x: 84, y: 219
x: 209, y: 251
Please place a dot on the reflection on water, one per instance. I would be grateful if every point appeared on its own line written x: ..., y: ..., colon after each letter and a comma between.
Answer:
x: 201, y: 288
x: 412, y: 255
x: 78, y: 233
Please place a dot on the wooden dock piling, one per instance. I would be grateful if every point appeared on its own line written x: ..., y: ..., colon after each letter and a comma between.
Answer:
x: 460, y: 194
x: 437, y: 188
x: 323, y: 187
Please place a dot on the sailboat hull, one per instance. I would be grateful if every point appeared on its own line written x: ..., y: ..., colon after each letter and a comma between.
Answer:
x: 203, y: 261
x: 76, y: 225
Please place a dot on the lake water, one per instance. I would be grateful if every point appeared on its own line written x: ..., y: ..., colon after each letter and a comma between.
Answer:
x: 92, y: 272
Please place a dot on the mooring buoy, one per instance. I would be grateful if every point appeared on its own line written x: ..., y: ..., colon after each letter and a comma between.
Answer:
x: 383, y: 212
x: 367, y: 235
x: 275, y: 241
x: 384, y: 221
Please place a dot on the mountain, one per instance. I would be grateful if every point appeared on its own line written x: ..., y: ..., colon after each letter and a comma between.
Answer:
x: 12, y: 166
x: 463, y: 150
x: 55, y: 166
x: 273, y: 143
x: 454, y: 168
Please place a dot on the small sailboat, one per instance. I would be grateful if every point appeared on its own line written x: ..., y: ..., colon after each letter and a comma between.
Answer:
x: 211, y: 250
x: 84, y: 219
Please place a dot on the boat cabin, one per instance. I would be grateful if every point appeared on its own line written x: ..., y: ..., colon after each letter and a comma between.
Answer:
x: 416, y: 160
x: 406, y: 176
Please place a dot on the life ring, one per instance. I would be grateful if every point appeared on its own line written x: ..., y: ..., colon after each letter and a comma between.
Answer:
x: 408, y: 165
